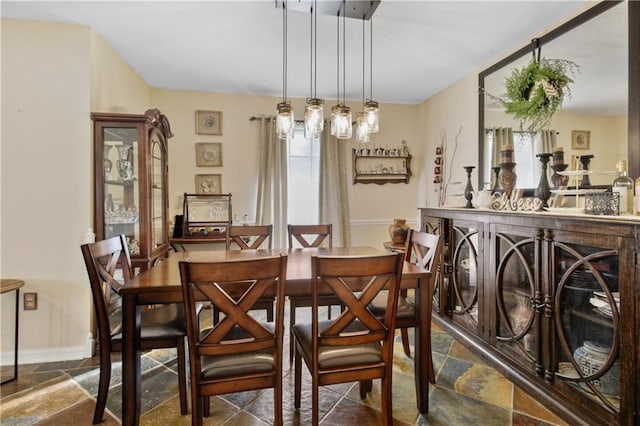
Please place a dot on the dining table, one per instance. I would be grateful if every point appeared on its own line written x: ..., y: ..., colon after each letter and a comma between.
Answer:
x: 161, y: 284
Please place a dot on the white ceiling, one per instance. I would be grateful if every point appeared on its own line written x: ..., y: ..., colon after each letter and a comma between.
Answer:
x: 419, y: 47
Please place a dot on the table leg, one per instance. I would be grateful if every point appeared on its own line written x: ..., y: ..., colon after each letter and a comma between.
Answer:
x: 130, y: 360
x: 423, y: 345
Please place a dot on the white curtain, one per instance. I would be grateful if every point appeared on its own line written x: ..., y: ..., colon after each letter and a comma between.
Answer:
x: 271, y: 206
x: 334, y: 185
x: 544, y: 141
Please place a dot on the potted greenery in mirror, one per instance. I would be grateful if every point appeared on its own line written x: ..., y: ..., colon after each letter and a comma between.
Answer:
x: 536, y: 91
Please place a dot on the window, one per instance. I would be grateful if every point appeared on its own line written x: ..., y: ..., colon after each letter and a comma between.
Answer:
x: 303, y: 163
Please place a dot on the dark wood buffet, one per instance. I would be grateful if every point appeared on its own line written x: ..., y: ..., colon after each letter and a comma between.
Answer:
x: 549, y: 300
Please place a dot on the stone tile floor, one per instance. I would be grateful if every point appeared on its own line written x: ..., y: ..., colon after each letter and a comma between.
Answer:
x: 467, y: 392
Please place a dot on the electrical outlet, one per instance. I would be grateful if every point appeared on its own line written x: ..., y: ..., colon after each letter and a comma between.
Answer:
x: 30, y: 301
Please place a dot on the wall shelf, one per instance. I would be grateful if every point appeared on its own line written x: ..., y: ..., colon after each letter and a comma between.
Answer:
x: 381, y: 169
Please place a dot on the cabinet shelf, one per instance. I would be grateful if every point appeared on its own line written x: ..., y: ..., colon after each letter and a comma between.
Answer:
x: 380, y: 169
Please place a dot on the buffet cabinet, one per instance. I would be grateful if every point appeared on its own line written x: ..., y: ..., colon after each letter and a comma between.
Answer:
x: 131, y: 182
x: 551, y: 301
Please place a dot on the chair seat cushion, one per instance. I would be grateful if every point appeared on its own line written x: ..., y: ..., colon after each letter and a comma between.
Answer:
x: 337, y: 356
x: 159, y: 322
x: 239, y: 363
x: 406, y: 306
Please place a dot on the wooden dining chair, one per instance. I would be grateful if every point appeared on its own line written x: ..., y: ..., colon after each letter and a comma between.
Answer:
x: 161, y: 327
x: 250, y: 237
x: 422, y: 249
x: 308, y: 236
x: 239, y: 353
x: 245, y: 237
x: 357, y: 346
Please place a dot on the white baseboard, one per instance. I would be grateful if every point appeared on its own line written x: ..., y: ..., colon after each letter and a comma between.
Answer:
x: 38, y: 356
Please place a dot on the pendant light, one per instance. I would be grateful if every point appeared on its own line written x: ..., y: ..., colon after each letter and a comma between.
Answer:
x: 314, y: 109
x: 362, y: 125
x: 371, y: 106
x: 285, y: 119
x: 341, y: 114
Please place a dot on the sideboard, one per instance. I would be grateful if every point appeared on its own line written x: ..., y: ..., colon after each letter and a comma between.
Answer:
x: 549, y: 300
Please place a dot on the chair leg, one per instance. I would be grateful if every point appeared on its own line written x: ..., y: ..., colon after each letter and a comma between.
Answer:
x: 103, y: 384
x: 363, y: 386
x: 387, y: 409
x: 270, y: 313
x: 182, y: 376
x: 315, y: 390
x: 196, y: 409
x: 207, y: 406
x: 432, y: 372
x: 292, y: 321
x: 297, y: 380
x: 405, y: 342
x: 277, y: 397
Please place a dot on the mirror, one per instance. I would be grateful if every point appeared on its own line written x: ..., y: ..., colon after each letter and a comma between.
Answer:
x: 594, y: 117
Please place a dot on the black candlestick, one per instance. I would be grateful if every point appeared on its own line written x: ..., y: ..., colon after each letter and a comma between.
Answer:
x: 585, y: 159
x: 543, y: 192
x: 468, y: 190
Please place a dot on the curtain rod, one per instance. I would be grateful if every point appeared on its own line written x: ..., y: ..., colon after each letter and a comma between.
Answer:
x: 254, y: 118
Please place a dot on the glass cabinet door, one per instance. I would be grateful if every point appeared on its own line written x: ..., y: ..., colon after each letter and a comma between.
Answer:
x: 121, y: 186
x: 464, y: 273
x: 586, y: 315
x: 516, y: 287
x: 157, y: 190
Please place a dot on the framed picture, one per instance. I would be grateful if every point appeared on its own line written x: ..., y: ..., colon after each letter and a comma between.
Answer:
x: 208, y: 184
x: 208, y: 154
x: 208, y: 122
x: 580, y: 139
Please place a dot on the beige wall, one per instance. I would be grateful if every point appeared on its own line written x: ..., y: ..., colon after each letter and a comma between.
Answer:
x: 53, y: 77
x: 450, y: 112
x: 46, y: 180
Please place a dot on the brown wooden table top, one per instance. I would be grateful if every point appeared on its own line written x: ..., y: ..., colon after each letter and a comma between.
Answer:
x: 165, y: 276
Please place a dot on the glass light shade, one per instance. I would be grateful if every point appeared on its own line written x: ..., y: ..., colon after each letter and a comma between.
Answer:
x: 371, y: 111
x: 335, y: 111
x: 344, y: 128
x: 313, y: 116
x: 285, y: 120
x: 362, y: 128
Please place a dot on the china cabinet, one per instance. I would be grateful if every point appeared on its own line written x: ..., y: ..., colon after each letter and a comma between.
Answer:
x: 131, y: 182
x: 393, y: 167
x: 550, y: 301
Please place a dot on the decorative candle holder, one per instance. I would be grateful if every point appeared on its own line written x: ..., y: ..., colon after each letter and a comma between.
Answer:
x: 558, y: 180
x: 584, y: 160
x: 543, y: 191
x: 468, y: 190
x: 496, y: 179
x: 508, y: 177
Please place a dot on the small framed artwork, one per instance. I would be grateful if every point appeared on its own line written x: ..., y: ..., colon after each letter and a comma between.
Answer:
x: 580, y: 139
x: 208, y: 122
x: 208, y: 184
x: 209, y: 154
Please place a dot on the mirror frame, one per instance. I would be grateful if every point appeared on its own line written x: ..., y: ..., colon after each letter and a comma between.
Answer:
x: 633, y: 98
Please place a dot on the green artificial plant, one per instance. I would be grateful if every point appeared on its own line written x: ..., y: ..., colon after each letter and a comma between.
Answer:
x: 535, y: 92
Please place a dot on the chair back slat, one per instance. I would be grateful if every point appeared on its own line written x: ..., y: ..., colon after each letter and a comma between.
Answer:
x: 102, y: 260
x: 356, y: 281
x: 247, y: 237
x: 311, y: 235
x: 234, y: 287
x: 421, y: 248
